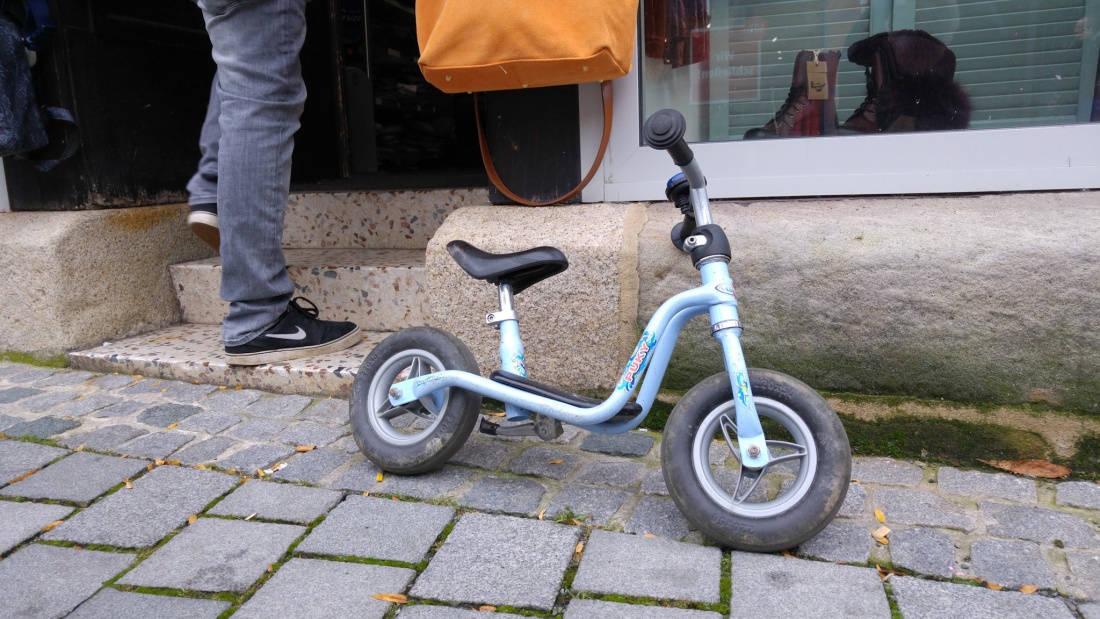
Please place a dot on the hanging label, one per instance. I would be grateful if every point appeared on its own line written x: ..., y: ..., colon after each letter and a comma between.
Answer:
x: 817, y: 80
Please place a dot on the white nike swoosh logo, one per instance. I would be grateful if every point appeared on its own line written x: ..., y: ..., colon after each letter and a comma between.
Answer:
x: 299, y: 335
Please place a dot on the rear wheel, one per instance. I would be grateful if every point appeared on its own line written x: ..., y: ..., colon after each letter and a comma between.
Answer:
x: 422, y: 435
x: 788, y: 501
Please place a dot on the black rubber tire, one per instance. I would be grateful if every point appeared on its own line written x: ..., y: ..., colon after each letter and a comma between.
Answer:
x: 795, y: 523
x: 391, y: 450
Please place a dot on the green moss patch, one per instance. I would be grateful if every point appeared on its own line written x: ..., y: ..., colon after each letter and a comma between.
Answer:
x: 44, y: 361
x: 1086, y: 462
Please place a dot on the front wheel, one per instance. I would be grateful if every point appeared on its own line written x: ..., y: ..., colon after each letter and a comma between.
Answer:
x: 422, y: 435
x: 780, y: 506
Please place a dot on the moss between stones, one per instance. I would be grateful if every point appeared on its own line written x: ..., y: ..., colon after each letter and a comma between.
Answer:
x: 1086, y: 462
x: 44, y: 361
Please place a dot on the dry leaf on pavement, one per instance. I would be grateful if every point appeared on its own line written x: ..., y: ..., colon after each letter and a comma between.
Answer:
x: 880, y: 516
x: 1031, y: 468
x: 396, y: 598
x: 1028, y: 589
x: 304, y: 448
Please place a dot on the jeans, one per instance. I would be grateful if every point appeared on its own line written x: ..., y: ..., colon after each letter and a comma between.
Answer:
x: 256, y: 101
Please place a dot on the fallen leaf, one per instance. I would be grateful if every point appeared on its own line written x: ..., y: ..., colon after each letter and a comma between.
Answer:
x: 488, y: 609
x: 580, y: 548
x: 222, y: 387
x: 174, y: 462
x: 881, y: 540
x: 366, y: 494
x: 270, y: 568
x: 150, y: 467
x: 200, y: 467
x: 80, y: 448
x: 24, y: 476
x: 304, y: 448
x: 993, y: 586
x: 172, y: 426
x: 1031, y: 468
x: 129, y: 486
x: 649, y: 535
x: 541, y: 514
x: 558, y: 461
x: 396, y: 598
x: 880, y: 516
x: 1028, y: 589
x: 238, y: 388
x: 250, y: 516
x: 496, y: 414
x: 192, y: 518
x: 393, y: 498
x: 260, y: 472
x: 378, y: 477
x: 243, y: 479
x: 158, y: 462
x: 575, y: 521
x: 856, y: 481
x: 231, y: 471
x: 881, y: 532
x: 787, y: 553
x: 51, y: 525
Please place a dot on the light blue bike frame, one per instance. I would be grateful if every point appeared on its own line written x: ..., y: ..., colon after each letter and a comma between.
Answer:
x: 650, y: 358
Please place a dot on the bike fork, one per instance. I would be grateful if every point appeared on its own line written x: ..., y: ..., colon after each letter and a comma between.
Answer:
x: 726, y: 327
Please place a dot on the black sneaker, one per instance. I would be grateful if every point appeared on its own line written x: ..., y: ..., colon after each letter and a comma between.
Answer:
x: 297, y: 333
x: 203, y: 220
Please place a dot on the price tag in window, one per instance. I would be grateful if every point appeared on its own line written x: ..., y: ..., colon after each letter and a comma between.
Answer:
x: 817, y: 80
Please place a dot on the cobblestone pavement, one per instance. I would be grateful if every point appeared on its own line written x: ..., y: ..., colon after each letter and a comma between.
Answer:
x: 96, y: 524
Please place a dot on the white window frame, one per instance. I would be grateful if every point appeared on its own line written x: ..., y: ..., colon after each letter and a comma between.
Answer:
x: 1061, y: 157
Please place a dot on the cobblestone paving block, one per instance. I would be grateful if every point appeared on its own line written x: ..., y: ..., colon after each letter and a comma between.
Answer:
x: 922, y: 508
x: 375, y: 528
x: 1078, y: 494
x: 83, y: 406
x: 482, y: 454
x: 115, y: 604
x: 531, y: 556
x: 203, y: 452
x: 1085, y: 567
x: 48, y: 581
x: 186, y: 393
x: 147, y: 386
x: 259, y: 430
x: 124, y: 408
x: 1011, y: 564
x: 46, y: 401
x: 1090, y: 610
x: 311, y: 466
x: 34, y: 375
x: 842, y: 542
x: 7, y: 421
x: 544, y: 462
x: 424, y: 611
x: 855, y: 502
x: 504, y: 494
x: 1037, y: 524
x: 658, y: 517
x: 979, y: 484
x: 310, y: 433
x: 925, y: 551
x: 654, y: 483
x: 164, y: 415
x: 23, y: 521
x: 777, y: 587
x: 629, y: 444
x: 10, y: 369
x: 65, y: 379
x: 211, y: 423
x: 159, y: 502
x: 14, y: 394
x: 82, y: 478
x: 311, y: 588
x: 886, y: 472
x: 18, y: 458
x: 215, y: 555
x: 43, y: 427
x: 112, y: 382
x: 596, y: 609
x: 230, y: 400
x: 361, y: 477
x: 621, y: 564
x: 106, y: 438
x: 156, y: 445
x: 592, y: 506
x: 347, y: 445
x: 249, y: 459
x: 618, y: 474
x: 926, y: 599
x: 272, y: 501
x: 332, y: 411
x: 279, y: 407
x: 427, y: 486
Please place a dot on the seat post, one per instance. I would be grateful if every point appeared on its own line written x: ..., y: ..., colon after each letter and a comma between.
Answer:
x: 511, y: 346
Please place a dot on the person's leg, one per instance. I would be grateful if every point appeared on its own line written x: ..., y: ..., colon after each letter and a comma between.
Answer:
x: 261, y: 93
x: 203, y: 186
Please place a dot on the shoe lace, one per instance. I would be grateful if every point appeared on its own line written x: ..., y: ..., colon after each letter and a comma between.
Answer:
x: 868, y: 106
x: 310, y: 312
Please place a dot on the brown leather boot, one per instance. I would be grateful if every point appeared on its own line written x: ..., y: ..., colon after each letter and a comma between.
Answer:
x: 810, y: 108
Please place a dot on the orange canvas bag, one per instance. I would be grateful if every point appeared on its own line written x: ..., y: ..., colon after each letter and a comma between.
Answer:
x: 485, y: 45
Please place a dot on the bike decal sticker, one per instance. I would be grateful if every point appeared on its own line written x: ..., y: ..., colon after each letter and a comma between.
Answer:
x: 743, y: 388
x: 519, y: 365
x: 427, y: 380
x: 725, y: 289
x: 638, y: 361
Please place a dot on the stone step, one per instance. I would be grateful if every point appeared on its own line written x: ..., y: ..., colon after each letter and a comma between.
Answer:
x: 378, y: 289
x: 194, y: 353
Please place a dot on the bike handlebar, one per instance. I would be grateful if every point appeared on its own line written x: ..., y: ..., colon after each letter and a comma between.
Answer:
x: 665, y: 131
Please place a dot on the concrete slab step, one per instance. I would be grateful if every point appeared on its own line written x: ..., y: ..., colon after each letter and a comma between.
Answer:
x: 378, y: 289
x: 194, y: 353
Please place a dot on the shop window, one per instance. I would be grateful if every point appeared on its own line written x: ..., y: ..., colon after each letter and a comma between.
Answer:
x: 835, y: 97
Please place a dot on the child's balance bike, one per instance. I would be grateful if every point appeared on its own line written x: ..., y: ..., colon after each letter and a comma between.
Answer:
x: 418, y: 394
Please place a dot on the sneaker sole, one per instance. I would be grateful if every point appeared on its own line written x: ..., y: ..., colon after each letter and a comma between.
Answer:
x: 205, y: 226
x: 297, y: 352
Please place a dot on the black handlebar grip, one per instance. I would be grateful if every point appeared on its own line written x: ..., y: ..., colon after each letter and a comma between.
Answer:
x: 665, y: 131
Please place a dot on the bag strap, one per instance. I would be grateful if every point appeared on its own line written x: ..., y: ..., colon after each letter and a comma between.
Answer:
x: 487, y: 158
